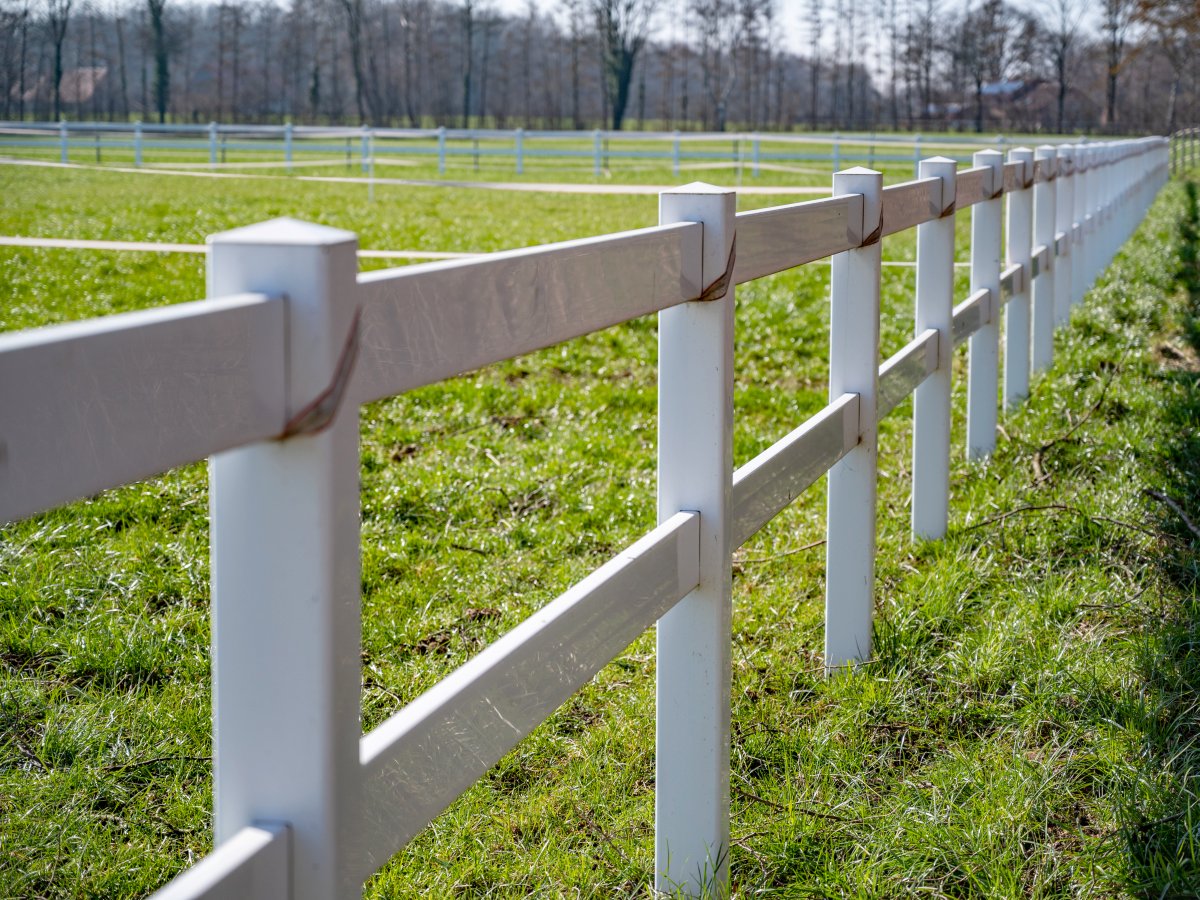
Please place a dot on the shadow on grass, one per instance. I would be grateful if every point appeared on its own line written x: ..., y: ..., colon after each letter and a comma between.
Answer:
x: 1162, y: 830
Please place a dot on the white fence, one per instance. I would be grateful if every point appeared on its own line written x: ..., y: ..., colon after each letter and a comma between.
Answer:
x: 1185, y: 149
x: 266, y: 379
x: 286, y: 146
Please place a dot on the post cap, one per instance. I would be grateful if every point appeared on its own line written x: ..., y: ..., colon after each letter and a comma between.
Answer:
x: 284, y: 231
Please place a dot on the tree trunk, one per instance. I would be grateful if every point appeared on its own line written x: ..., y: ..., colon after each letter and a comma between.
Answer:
x: 162, y: 72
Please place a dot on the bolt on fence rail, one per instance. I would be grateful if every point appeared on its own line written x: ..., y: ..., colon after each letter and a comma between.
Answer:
x: 266, y: 379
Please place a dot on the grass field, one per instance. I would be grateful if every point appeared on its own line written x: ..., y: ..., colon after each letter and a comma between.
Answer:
x: 1026, y: 728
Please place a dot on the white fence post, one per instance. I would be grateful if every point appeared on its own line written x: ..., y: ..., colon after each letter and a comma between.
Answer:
x: 1091, y: 180
x: 137, y: 143
x: 931, y: 400
x: 854, y: 369
x: 1078, y: 212
x: 63, y: 156
x: 1064, y: 206
x: 1043, y: 286
x: 441, y: 149
x: 287, y: 145
x: 675, y: 154
x: 917, y: 157
x: 365, y: 152
x: 285, y: 569
x: 596, y: 142
x: 519, y: 148
x: 756, y: 154
x: 983, y: 366
x: 212, y: 145
x: 695, y: 471
x: 1018, y: 242
x: 837, y: 153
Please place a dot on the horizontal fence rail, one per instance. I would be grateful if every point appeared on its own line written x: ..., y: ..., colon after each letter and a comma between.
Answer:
x: 285, y: 146
x: 266, y: 378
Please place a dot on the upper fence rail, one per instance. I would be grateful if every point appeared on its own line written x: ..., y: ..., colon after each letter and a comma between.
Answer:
x: 294, y: 340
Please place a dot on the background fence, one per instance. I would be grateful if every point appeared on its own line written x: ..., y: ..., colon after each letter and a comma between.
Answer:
x: 289, y: 147
x: 266, y: 378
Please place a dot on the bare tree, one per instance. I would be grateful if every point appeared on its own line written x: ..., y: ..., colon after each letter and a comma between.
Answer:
x: 720, y: 33
x: 353, y: 11
x: 1061, y: 31
x: 14, y: 27
x: 162, y: 72
x: 1118, y: 15
x: 468, y: 52
x: 982, y: 47
x: 622, y: 27
x: 1176, y: 27
x: 816, y: 21
x: 58, y: 17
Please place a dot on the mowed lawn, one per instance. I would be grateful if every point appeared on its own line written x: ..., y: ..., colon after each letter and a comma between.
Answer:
x: 1026, y: 727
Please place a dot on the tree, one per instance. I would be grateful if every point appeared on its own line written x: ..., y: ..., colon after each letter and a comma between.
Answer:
x: 1176, y: 27
x: 622, y: 27
x: 1061, y: 31
x: 58, y: 17
x: 353, y: 10
x: 1118, y: 15
x: 162, y: 74
x: 468, y: 40
x: 816, y: 18
x: 982, y: 47
x: 720, y: 33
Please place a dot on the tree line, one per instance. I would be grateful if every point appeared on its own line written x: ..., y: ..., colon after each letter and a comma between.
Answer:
x: 1123, y: 66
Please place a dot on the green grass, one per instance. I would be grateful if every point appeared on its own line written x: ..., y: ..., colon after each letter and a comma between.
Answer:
x: 1026, y: 728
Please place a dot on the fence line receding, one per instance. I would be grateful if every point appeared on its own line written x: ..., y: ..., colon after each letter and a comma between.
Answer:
x: 266, y: 377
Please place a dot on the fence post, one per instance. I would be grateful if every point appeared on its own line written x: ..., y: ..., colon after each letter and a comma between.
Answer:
x: 287, y: 145
x: 1064, y: 205
x: 1078, y: 211
x: 837, y: 153
x: 285, y: 570
x: 983, y: 366
x: 212, y: 145
x: 756, y: 154
x: 519, y: 147
x: 366, y: 148
x: 1090, y: 184
x: 931, y: 400
x: 441, y: 149
x: 917, y: 158
x: 854, y: 369
x: 1018, y: 242
x: 1043, y: 285
x: 137, y: 143
x: 63, y: 156
x: 675, y: 155
x: 596, y: 141
x: 695, y: 471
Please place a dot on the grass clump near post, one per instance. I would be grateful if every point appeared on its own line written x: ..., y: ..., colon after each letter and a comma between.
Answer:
x: 1026, y: 728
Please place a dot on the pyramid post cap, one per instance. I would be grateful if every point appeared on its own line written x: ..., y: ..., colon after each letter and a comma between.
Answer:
x: 283, y: 232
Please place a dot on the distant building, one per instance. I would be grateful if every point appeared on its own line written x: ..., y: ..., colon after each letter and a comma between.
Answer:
x: 81, y: 88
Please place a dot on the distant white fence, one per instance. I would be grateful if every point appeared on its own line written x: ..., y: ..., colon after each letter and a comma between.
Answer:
x: 266, y: 378
x: 285, y: 146
x: 1185, y: 149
